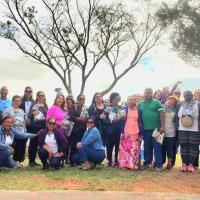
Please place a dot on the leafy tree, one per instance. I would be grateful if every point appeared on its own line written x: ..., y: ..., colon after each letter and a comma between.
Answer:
x: 67, y: 36
x: 183, y: 19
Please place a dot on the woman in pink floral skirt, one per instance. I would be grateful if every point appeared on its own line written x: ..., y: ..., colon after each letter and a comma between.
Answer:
x: 129, y: 153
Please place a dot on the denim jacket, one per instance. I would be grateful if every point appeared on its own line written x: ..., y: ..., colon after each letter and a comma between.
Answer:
x: 14, y: 133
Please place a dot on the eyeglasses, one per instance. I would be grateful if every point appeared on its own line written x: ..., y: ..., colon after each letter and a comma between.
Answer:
x: 52, y: 123
x: 90, y: 122
x: 29, y: 91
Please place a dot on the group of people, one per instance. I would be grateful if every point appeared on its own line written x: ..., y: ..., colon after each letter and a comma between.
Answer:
x: 70, y: 133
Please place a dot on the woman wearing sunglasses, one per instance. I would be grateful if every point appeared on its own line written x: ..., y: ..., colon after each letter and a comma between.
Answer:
x: 37, y: 117
x: 90, y: 150
x: 52, y: 144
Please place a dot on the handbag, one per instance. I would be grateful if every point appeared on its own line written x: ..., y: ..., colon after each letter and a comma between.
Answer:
x: 158, y: 136
x: 187, y: 121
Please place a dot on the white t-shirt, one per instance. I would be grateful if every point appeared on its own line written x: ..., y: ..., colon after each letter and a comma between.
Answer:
x: 50, y: 141
x: 195, y: 125
x: 8, y: 140
x: 27, y: 108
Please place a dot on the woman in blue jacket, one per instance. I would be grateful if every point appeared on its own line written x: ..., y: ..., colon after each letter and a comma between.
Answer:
x: 90, y: 149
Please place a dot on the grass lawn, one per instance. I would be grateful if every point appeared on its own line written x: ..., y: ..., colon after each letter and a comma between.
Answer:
x: 101, y: 179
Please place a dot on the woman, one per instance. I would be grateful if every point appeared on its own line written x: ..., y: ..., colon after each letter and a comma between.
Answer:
x: 169, y: 142
x: 129, y: 150
x: 158, y: 95
x: 69, y: 103
x: 197, y: 98
x: 112, y: 128
x: 78, y: 114
x: 52, y: 144
x: 188, y: 125
x: 7, y: 135
x: 37, y: 117
x: 90, y: 150
x: 96, y: 110
x: 18, y: 116
x: 57, y: 110
x: 138, y: 99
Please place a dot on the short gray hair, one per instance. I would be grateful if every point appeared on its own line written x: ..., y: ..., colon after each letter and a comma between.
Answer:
x: 148, y: 90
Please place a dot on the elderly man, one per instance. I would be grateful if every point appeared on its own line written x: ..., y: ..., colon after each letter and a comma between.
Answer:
x: 7, y: 135
x: 4, y: 101
x: 152, y: 118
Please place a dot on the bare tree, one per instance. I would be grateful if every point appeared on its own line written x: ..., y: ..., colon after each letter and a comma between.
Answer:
x: 71, y: 35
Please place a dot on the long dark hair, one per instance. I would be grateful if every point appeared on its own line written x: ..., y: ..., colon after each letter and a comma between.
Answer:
x: 94, y: 96
x: 60, y: 95
x: 154, y: 95
x: 37, y: 95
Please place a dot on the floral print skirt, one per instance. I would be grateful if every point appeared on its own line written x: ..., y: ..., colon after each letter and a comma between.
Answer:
x: 129, y: 151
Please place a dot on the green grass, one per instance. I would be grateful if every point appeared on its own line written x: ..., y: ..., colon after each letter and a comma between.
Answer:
x: 100, y: 179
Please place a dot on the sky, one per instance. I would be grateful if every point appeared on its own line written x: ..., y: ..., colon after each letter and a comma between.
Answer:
x: 162, y: 68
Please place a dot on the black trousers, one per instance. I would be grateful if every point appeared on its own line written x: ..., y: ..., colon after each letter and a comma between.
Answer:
x: 112, y: 141
x: 76, y: 136
x: 54, y: 162
x: 169, y: 149
x: 33, y: 146
x: 19, y: 150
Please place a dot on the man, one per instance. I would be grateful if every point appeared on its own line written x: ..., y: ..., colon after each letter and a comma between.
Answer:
x: 4, y: 101
x: 27, y: 100
x: 152, y: 118
x: 7, y: 135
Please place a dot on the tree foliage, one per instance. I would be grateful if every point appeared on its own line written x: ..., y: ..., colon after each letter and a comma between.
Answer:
x: 184, y: 20
x: 67, y: 36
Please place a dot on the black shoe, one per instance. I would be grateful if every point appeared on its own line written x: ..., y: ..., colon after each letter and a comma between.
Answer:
x: 145, y: 167
x: 31, y: 164
x: 45, y: 166
x: 37, y: 164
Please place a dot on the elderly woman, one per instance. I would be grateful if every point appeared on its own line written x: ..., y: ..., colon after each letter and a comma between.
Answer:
x: 53, y: 145
x: 188, y: 125
x: 18, y: 116
x: 129, y: 150
x: 169, y: 143
x: 90, y: 149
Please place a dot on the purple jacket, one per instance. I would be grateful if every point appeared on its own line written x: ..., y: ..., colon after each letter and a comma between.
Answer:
x: 60, y: 139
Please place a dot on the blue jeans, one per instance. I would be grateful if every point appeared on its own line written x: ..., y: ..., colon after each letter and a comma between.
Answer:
x: 88, y: 154
x: 150, y: 145
x: 6, y: 159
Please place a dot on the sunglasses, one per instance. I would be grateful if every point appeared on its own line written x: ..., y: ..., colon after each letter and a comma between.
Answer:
x: 177, y: 93
x: 81, y: 99
x: 28, y: 91
x: 41, y: 96
x: 90, y: 122
x: 52, y: 123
